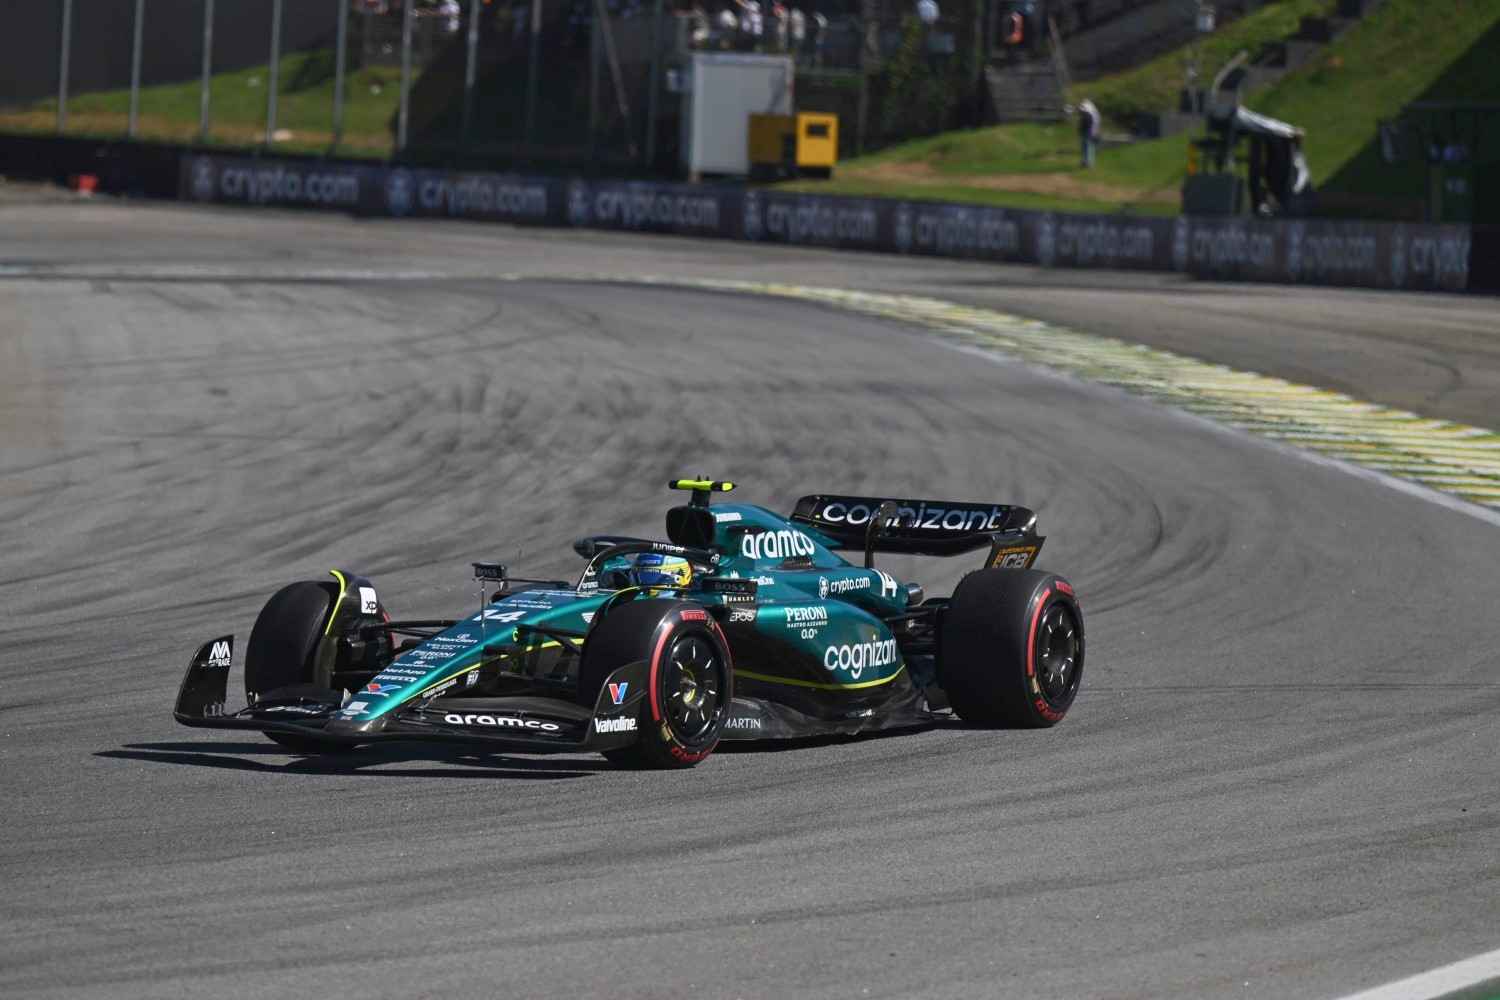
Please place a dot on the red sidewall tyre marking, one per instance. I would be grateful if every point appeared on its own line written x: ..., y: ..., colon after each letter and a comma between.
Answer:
x: 1036, y: 616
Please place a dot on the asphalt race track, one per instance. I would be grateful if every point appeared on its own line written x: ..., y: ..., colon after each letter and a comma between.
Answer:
x: 1279, y: 780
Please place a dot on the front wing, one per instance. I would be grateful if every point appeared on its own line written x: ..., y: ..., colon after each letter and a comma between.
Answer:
x: 524, y: 724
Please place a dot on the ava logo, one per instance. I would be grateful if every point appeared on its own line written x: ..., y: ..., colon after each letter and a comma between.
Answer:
x: 903, y: 228
x: 578, y: 204
x: 750, y: 217
x: 219, y: 655
x: 617, y: 692
x: 398, y: 192
x: 1181, y: 244
x: 205, y: 179
x: 368, y: 605
x: 379, y: 689
x: 1398, y: 257
x: 822, y: 586
x: 1296, y: 235
x: 1046, y: 239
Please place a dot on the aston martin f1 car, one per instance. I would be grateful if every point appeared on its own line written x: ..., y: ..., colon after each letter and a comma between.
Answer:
x: 741, y: 625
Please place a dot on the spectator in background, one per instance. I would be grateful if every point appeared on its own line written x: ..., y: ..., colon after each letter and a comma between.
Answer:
x: 752, y: 24
x: 927, y: 12
x: 780, y: 30
x: 1088, y: 131
x: 702, y: 31
x: 819, y: 37
x: 728, y: 24
x: 797, y: 31
x: 451, y: 14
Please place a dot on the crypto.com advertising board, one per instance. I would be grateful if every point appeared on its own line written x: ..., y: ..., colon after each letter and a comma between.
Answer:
x: 1367, y: 254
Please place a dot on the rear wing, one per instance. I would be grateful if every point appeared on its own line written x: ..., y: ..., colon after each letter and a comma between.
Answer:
x: 924, y: 527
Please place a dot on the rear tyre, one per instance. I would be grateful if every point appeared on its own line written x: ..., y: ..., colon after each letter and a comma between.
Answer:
x: 282, y: 653
x: 691, y: 686
x: 1010, y: 648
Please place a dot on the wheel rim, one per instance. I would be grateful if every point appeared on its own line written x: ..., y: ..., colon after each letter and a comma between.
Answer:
x: 691, y: 687
x: 1057, y: 653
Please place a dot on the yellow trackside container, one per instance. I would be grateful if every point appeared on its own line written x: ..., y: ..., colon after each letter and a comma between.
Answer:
x: 807, y: 142
x: 817, y: 141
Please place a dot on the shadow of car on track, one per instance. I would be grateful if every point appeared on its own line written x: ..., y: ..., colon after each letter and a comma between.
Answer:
x: 462, y: 762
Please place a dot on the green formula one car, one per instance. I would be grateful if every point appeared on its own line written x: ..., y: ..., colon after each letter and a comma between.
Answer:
x: 742, y: 625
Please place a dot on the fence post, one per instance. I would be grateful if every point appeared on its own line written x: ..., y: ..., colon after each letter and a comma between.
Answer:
x: 135, y: 68
x: 595, y: 29
x: 274, y: 77
x: 402, y: 115
x: 341, y: 51
x: 208, y: 68
x: 654, y: 85
x: 469, y: 72
x: 62, y: 66
x: 534, y: 22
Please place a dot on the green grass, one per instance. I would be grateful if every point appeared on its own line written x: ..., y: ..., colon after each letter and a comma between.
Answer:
x: 1408, y: 50
x: 1156, y: 85
x: 237, y: 109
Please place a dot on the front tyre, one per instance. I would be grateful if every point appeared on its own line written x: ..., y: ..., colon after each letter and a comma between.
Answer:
x: 1010, y: 648
x: 283, y: 651
x: 691, y: 679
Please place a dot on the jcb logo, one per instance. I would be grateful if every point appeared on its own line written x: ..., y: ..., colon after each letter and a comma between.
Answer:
x: 1013, y: 558
x: 219, y: 655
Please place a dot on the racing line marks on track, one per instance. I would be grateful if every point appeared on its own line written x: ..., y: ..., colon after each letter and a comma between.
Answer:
x: 1452, y: 458
x: 1393, y: 446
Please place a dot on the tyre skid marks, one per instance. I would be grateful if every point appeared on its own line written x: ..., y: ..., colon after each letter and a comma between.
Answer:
x: 1454, y: 458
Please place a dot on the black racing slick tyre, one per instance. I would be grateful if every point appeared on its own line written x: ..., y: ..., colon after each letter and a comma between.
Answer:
x: 283, y: 648
x: 691, y: 678
x: 1010, y: 648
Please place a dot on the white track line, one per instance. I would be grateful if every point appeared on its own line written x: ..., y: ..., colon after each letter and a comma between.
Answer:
x: 1442, y: 982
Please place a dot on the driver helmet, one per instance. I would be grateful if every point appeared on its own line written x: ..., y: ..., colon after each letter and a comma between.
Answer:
x: 654, y: 569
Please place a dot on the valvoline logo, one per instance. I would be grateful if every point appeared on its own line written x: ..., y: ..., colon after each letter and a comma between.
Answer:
x: 617, y: 692
x: 380, y: 688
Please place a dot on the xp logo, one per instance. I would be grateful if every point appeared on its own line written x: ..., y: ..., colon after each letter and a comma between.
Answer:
x: 379, y: 689
x: 399, y: 192
x: 750, y: 216
x: 903, y: 228
x: 617, y: 692
x: 579, y: 213
x: 205, y: 179
x: 219, y: 656
x: 1046, y: 239
x: 368, y: 605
